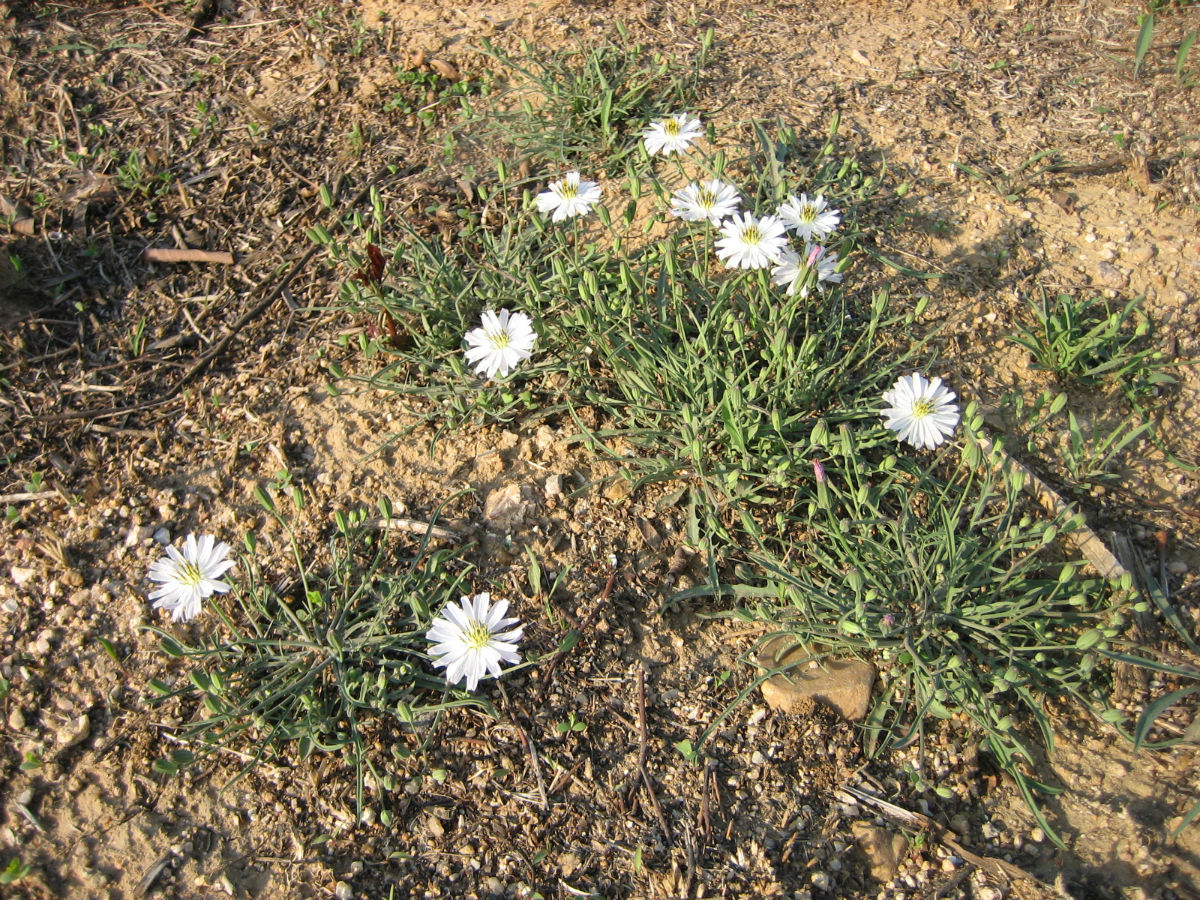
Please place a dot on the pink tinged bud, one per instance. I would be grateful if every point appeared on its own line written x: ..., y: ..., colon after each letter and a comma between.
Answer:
x: 816, y: 254
x: 818, y: 471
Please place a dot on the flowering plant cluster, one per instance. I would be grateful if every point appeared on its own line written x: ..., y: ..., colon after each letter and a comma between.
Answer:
x: 470, y: 640
x: 918, y: 411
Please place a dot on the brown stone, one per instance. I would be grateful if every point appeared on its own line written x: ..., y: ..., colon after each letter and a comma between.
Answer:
x: 842, y: 684
x: 883, y: 849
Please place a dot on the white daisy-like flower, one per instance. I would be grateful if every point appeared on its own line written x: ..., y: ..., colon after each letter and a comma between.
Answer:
x: 467, y: 639
x: 568, y: 197
x: 920, y: 411
x: 802, y: 272
x: 675, y: 134
x: 711, y: 201
x: 190, y: 577
x: 500, y: 343
x: 750, y: 243
x: 812, y: 220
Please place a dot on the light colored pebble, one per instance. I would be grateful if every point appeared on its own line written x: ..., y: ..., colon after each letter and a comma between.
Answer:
x: 21, y: 574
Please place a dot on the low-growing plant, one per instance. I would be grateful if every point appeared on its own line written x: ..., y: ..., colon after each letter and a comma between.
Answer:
x: 718, y: 375
x: 14, y: 871
x: 133, y: 176
x: 1091, y: 449
x: 579, y: 104
x: 1089, y: 341
x: 300, y: 666
x: 682, y: 323
x: 1011, y: 184
x: 942, y: 575
x: 427, y: 94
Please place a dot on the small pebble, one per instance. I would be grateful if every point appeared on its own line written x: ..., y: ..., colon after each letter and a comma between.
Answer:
x: 820, y: 880
x: 342, y: 891
x: 1177, y: 567
x: 21, y: 574
x: 989, y: 831
x: 74, y: 732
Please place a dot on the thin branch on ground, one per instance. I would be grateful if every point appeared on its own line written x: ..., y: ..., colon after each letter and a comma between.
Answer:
x: 643, y: 744
x: 548, y: 677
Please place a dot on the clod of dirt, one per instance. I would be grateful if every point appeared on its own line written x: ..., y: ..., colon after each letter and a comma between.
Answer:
x: 505, y: 506
x: 74, y: 732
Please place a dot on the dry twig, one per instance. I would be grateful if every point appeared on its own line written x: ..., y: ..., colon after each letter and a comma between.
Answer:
x: 643, y: 744
x: 584, y: 626
x: 530, y: 748
x: 28, y: 496
x: 172, y: 255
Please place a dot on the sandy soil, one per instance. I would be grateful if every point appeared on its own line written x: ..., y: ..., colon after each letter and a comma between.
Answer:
x: 235, y: 123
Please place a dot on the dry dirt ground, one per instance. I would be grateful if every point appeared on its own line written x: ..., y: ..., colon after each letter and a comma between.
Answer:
x: 109, y: 437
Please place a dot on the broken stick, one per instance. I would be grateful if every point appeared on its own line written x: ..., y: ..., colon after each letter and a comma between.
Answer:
x: 169, y: 255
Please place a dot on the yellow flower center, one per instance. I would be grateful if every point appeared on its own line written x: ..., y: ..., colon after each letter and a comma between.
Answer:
x: 501, y: 339
x: 752, y: 234
x: 706, y: 198
x: 189, y: 574
x: 477, y: 636
x: 808, y: 212
x: 921, y: 409
x: 671, y: 128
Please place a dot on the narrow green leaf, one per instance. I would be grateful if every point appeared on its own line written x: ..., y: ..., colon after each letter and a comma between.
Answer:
x: 1153, y: 710
x: 1145, y: 36
x: 1187, y: 820
x: 1185, y: 47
